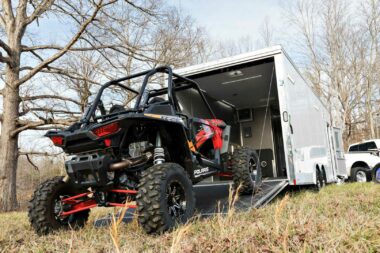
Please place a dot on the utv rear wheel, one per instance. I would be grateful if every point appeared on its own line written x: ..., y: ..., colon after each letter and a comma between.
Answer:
x: 165, y: 198
x: 45, y: 207
x: 246, y: 170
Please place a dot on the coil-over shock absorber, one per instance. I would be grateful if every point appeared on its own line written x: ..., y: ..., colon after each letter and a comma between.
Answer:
x: 159, y: 153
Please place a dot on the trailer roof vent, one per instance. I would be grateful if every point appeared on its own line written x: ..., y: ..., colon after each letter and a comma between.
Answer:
x: 235, y: 73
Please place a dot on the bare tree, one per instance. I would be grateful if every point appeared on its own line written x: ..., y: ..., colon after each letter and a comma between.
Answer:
x: 49, y: 84
x: 338, y: 47
x: 266, y: 33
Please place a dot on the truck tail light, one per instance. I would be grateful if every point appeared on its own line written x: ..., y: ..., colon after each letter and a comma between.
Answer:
x: 57, y: 140
x: 106, y: 130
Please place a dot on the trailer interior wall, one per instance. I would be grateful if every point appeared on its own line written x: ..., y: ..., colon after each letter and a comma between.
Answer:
x: 249, y: 86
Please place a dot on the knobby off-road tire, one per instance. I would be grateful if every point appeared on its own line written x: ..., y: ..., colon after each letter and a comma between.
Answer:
x: 245, y: 162
x: 159, y: 209
x: 42, y: 208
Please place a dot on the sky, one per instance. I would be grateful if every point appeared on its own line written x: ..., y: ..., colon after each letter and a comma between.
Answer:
x: 223, y: 20
x: 227, y: 19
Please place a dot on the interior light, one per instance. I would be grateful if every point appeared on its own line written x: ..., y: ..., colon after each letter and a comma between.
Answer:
x: 242, y: 79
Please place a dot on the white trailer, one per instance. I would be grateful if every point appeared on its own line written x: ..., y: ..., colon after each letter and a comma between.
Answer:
x: 273, y: 109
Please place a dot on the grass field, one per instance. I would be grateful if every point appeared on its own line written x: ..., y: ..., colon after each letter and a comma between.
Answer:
x: 341, y: 218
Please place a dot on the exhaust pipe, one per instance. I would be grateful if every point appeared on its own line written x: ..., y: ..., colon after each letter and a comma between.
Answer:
x: 125, y: 164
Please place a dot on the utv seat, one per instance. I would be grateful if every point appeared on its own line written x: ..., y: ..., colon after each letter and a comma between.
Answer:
x: 116, y: 109
x: 156, y: 100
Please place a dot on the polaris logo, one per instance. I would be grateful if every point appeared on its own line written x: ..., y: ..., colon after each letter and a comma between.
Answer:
x: 199, y: 172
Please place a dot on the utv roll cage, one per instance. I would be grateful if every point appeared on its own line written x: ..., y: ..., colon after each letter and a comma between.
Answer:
x: 184, y: 83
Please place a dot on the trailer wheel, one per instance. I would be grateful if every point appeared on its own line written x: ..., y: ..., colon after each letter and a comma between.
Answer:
x: 45, y: 207
x: 324, y: 178
x: 359, y: 174
x: 246, y: 170
x: 165, y: 198
x: 320, y: 181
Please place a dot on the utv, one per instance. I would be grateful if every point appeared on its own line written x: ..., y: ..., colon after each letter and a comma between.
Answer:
x: 146, y: 157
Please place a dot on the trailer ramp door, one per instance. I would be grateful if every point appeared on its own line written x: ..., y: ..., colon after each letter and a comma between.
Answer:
x: 212, y: 198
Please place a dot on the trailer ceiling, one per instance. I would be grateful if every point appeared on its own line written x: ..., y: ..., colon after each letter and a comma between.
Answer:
x: 243, y: 86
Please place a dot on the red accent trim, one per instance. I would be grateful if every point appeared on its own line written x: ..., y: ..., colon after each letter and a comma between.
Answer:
x: 224, y: 174
x: 122, y: 205
x: 294, y: 181
x: 75, y: 197
x: 217, y: 139
x: 124, y: 191
x: 211, y: 130
x: 88, y: 204
x: 78, y: 206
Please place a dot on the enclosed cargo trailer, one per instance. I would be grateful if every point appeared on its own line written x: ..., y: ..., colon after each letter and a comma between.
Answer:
x: 273, y: 109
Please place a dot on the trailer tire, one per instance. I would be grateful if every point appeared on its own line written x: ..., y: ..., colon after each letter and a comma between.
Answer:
x: 41, y: 210
x: 157, y: 212
x: 245, y: 162
x: 324, y: 178
x: 319, y: 182
x: 360, y: 174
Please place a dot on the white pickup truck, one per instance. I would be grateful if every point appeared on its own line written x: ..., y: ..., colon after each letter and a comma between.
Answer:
x: 363, y: 161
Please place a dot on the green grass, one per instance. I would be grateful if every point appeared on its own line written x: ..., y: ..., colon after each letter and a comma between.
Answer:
x: 341, y: 218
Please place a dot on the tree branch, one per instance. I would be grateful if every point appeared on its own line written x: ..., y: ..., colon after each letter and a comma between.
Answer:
x: 59, y: 54
x: 5, y: 47
x: 38, y: 153
x: 37, y: 97
x: 147, y: 11
x: 57, y: 47
x: 4, y: 59
x: 27, y: 124
x: 30, y: 161
x: 41, y: 8
x: 51, y: 110
x: 7, y: 6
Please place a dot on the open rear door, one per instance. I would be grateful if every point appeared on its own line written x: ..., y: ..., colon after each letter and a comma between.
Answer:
x: 339, y: 152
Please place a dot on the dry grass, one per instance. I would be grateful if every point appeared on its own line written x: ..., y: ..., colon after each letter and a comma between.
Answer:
x: 339, y: 219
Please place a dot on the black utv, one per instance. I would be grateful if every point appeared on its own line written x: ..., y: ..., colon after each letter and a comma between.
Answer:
x: 145, y: 156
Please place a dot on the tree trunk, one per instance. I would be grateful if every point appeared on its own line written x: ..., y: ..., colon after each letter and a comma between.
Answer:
x: 9, y: 142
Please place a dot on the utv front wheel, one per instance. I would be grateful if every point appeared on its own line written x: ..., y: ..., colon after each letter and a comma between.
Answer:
x: 165, y: 198
x: 45, y: 208
x: 246, y: 170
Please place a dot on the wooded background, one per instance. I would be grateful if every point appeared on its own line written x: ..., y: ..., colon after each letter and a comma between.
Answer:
x: 45, y: 84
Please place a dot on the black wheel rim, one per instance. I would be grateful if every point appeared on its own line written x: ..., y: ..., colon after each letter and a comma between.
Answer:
x: 176, y: 200
x: 60, y: 207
